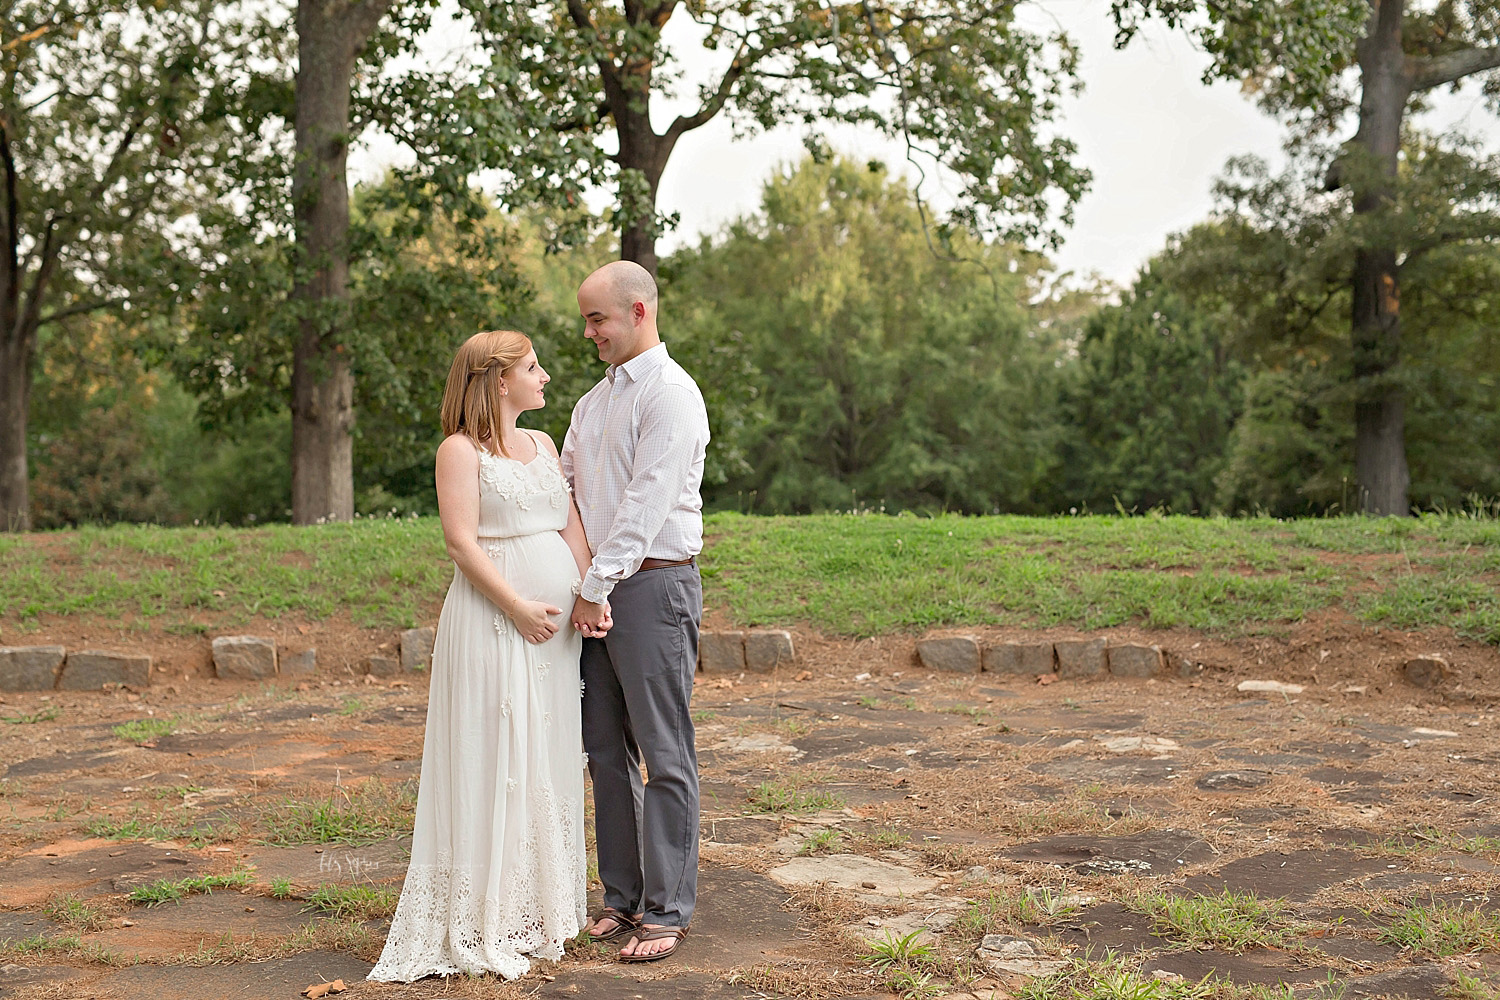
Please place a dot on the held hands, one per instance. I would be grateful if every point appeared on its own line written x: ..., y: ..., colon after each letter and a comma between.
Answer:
x: 531, y: 620
x: 592, y: 620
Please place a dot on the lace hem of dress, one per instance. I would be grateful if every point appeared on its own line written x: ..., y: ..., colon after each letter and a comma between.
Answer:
x: 445, y: 923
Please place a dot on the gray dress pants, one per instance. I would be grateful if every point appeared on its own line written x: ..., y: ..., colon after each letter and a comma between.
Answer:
x: 637, y: 683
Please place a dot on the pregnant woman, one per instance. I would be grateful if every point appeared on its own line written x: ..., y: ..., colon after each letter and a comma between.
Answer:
x: 497, y: 862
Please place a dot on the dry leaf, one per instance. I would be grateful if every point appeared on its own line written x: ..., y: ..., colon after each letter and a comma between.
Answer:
x: 806, y: 675
x: 1045, y: 679
x: 324, y: 989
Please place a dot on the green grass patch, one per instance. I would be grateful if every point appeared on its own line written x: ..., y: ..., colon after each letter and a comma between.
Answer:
x: 79, y: 915
x: 1442, y: 929
x: 48, y: 714
x: 181, y: 826
x: 822, y: 842
x: 145, y: 730
x: 1232, y: 921
x: 359, y: 902
x: 788, y: 797
x: 168, y: 890
x: 353, y: 815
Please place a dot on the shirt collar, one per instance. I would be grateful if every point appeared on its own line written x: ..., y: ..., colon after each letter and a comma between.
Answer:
x: 638, y: 366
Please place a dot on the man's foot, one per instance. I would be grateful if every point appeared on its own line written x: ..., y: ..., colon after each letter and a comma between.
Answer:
x: 610, y: 923
x: 651, y: 942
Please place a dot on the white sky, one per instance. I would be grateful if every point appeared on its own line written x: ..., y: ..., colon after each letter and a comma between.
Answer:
x: 1153, y: 134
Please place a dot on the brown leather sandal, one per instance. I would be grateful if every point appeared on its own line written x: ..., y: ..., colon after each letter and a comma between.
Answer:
x: 656, y: 934
x: 624, y: 924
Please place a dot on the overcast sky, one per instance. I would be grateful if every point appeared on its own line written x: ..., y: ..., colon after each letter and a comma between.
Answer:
x: 1153, y: 134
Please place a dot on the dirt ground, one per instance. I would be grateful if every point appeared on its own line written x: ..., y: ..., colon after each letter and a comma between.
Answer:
x: 852, y: 797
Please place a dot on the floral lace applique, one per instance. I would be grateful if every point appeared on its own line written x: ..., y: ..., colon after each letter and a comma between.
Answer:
x: 500, y: 624
x: 585, y: 758
x: 494, y: 549
x: 510, y: 784
x: 542, y: 668
x: 505, y: 708
x: 576, y: 586
x: 510, y: 480
x: 581, y: 686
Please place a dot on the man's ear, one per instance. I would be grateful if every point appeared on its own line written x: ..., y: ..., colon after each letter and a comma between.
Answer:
x: 638, y: 312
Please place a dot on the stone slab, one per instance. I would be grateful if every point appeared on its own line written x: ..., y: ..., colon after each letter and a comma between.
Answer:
x: 1135, y: 661
x: 279, y: 977
x: 1029, y: 658
x: 91, y: 669
x: 382, y: 666
x: 244, y: 657
x: 739, y: 921
x: 721, y: 652
x: 954, y: 654
x: 30, y: 668
x: 1417, y: 982
x: 416, y: 648
x: 766, y: 651
x: 1293, y: 875
x: 303, y: 663
x: 1234, y: 781
x: 1082, y: 658
x: 1149, y: 854
x: 854, y: 872
x: 1430, y: 671
x: 1258, y: 967
x: 105, y: 868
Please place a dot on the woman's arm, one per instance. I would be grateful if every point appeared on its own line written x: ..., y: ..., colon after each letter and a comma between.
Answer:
x: 573, y: 532
x: 457, y: 477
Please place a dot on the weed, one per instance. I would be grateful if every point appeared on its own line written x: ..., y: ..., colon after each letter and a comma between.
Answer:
x: 281, y: 888
x: 334, y: 935
x: 47, y: 714
x: 1443, y: 929
x: 702, y: 715
x: 869, y: 701
x: 971, y: 711
x: 1114, y: 978
x: 353, y: 815
x: 1232, y: 921
x: 912, y: 985
x: 1467, y: 987
x: 909, y: 703
x: 998, y: 912
x: 195, y: 831
x: 822, y: 842
x: 77, y: 914
x: 786, y: 796
x: 145, y: 730
x: 794, y: 727
x: 352, y: 706
x: 165, y: 890
x: 902, y: 952
x: 361, y: 902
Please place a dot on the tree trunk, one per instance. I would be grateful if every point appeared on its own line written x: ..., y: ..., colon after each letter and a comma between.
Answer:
x: 1379, y: 409
x: 641, y: 149
x: 330, y: 35
x: 15, y: 394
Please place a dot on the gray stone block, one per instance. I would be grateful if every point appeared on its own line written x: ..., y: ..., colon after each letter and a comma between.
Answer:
x: 1429, y: 671
x: 721, y: 652
x: 765, y: 651
x: 91, y: 669
x: 300, y: 664
x: 382, y: 666
x: 1080, y: 658
x: 30, y: 668
x: 416, y: 648
x: 958, y: 654
x: 1182, y: 666
x: 1030, y: 658
x: 1135, y: 661
x: 244, y: 657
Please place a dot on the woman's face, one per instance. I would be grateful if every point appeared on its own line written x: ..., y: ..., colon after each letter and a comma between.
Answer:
x: 526, y: 382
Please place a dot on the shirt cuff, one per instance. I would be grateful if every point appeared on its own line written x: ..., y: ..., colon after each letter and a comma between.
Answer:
x: 596, y: 589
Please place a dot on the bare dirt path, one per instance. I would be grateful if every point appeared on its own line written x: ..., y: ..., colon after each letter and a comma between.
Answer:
x: 868, y: 801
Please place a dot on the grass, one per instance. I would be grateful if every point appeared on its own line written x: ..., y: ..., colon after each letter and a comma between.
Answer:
x: 359, y: 902
x: 166, y: 826
x: 909, y: 965
x: 1442, y: 929
x: 353, y: 815
x: 145, y: 730
x: 1232, y: 921
x: 1007, y: 912
x: 48, y: 714
x: 168, y: 890
x: 822, y: 842
x: 788, y: 797
x: 845, y: 575
x: 78, y: 915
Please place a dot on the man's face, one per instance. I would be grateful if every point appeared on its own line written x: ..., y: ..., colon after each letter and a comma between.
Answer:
x: 609, y: 323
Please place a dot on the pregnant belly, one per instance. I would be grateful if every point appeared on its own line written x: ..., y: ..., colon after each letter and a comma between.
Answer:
x: 540, y: 567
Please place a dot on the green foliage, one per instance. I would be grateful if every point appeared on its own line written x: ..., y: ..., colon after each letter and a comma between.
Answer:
x: 356, y: 815
x: 883, y: 375
x: 1442, y: 929
x: 1232, y: 921
x: 144, y: 730
x: 167, y: 890
x: 360, y: 902
x: 31, y: 718
x: 787, y: 796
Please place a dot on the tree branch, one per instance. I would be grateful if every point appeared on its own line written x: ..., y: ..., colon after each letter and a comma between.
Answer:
x: 737, y: 68
x: 1450, y: 67
x: 81, y: 308
x: 361, y: 17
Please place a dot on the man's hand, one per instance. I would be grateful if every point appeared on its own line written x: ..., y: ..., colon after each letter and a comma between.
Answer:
x: 590, y: 619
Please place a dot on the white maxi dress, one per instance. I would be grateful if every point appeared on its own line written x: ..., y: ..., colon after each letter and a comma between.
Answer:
x: 497, y: 862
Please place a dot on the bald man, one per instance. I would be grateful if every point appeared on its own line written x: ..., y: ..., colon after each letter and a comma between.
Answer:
x: 634, y: 456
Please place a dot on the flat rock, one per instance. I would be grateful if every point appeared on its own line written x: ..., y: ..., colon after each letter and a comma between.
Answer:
x: 1082, y: 658
x: 1029, y: 658
x: 1417, y: 982
x: 1127, y: 771
x: 1135, y: 661
x: 1151, y: 853
x: 244, y: 657
x: 767, y: 650
x: 198, y: 922
x: 852, y: 871
x: 91, y: 669
x: 1264, y: 968
x: 824, y: 744
x: 1131, y: 744
x: 616, y: 984
x: 1269, y: 687
x: 1294, y: 875
x: 1234, y: 781
x: 1107, y: 927
x: 956, y: 654
x: 311, y: 865
x: 746, y: 830
x: 382, y: 666
x: 279, y: 977
x: 16, y: 925
x: 721, y: 652
x: 303, y: 663
x: 91, y: 868
x: 30, y: 668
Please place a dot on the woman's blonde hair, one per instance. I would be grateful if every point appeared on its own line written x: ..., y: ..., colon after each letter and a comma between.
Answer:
x: 471, y: 402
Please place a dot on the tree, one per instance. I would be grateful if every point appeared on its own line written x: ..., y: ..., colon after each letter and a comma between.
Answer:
x: 961, y: 81
x: 105, y: 133
x: 880, y: 374
x: 1309, y: 58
